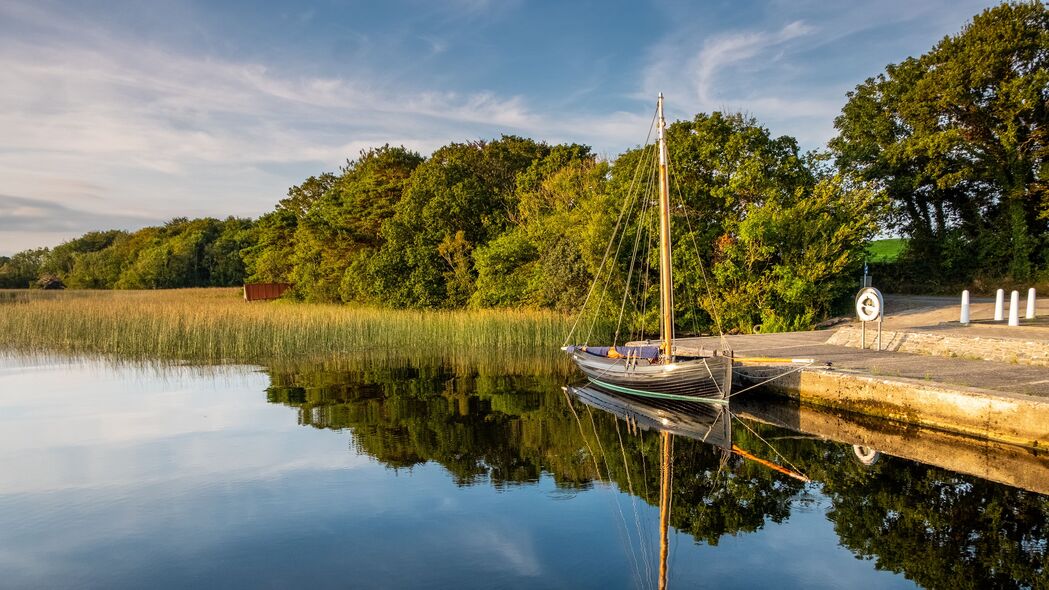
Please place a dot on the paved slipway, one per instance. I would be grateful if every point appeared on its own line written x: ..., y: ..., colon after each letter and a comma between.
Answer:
x: 933, y: 374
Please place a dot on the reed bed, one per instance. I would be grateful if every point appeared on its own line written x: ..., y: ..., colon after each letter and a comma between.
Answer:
x: 218, y: 326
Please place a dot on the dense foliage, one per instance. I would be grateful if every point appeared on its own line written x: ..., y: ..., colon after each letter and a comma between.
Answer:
x: 181, y: 253
x: 958, y: 139
x: 518, y: 223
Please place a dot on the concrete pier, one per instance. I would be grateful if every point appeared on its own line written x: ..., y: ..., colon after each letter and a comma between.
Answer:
x: 1004, y: 400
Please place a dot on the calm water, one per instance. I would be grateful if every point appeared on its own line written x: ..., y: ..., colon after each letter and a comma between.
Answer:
x: 133, y: 477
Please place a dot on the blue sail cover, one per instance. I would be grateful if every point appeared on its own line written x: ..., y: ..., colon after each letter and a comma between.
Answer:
x: 643, y: 352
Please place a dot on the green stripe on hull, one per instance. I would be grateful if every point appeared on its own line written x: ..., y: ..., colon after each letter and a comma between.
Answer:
x: 653, y: 394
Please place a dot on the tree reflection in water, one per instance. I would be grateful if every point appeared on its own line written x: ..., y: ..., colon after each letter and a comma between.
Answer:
x: 938, y: 528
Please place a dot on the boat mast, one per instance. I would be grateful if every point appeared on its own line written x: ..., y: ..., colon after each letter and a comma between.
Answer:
x: 666, y: 283
x: 666, y: 466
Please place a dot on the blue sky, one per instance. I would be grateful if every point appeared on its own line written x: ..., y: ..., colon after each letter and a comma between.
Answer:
x: 125, y: 114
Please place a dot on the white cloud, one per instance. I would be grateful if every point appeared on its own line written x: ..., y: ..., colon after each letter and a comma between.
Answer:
x: 718, y: 53
x: 792, y: 63
x: 141, y: 128
x: 742, y: 70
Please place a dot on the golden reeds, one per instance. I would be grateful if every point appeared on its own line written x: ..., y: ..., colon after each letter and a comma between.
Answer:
x: 218, y: 326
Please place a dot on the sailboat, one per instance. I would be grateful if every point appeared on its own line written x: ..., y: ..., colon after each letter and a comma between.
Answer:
x: 707, y: 423
x: 656, y: 372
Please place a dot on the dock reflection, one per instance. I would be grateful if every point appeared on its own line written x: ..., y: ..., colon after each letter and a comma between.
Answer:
x: 1014, y: 466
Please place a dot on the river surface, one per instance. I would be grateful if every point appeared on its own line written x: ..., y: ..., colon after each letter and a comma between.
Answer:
x: 137, y: 476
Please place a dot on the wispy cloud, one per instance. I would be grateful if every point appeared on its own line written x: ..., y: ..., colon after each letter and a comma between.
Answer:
x: 720, y: 72
x: 721, y: 52
x: 18, y: 214
x: 169, y: 133
x: 792, y: 64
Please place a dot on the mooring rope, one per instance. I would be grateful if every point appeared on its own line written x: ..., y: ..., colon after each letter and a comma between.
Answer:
x: 770, y: 379
x: 778, y: 454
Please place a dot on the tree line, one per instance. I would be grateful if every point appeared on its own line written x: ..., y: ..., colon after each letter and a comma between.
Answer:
x: 947, y: 149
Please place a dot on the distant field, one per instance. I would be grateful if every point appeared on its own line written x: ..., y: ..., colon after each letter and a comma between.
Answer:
x: 886, y: 250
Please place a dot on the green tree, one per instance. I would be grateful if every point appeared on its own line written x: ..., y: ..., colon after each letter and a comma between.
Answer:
x: 222, y: 255
x: 762, y: 235
x: 269, y: 257
x: 460, y: 198
x: 957, y: 138
x: 550, y: 254
x: 62, y: 258
x: 22, y: 268
x: 510, y: 430
x: 789, y: 259
x: 100, y: 269
x: 343, y: 224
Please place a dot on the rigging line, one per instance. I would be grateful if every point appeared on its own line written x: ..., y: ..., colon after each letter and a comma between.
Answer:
x: 608, y: 249
x: 692, y: 299
x: 721, y: 465
x: 773, y: 378
x: 715, y: 381
x: 778, y: 454
x: 632, y: 198
x: 645, y: 286
x: 579, y: 422
x: 640, y: 434
x: 633, y: 500
x: 611, y: 266
x: 699, y: 258
x: 688, y: 284
x: 644, y: 464
x: 645, y: 223
x: 629, y: 277
x: 624, y: 531
x: 593, y: 456
x: 630, y: 272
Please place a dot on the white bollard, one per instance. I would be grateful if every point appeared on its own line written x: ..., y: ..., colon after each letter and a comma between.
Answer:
x: 1014, y: 308
x: 999, y: 305
x: 965, y: 307
x: 1030, y: 304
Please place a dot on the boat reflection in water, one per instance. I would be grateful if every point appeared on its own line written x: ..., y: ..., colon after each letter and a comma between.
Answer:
x: 705, y: 422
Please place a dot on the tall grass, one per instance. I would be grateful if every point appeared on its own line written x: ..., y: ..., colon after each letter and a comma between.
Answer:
x: 218, y: 326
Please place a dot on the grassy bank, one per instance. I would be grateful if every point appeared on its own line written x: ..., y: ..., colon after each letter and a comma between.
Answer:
x: 886, y: 250
x: 218, y: 326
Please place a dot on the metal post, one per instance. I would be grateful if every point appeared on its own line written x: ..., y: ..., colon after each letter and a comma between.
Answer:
x: 1030, y: 303
x: 965, y: 307
x: 879, y: 332
x: 863, y: 335
x: 1014, y: 308
x: 999, y: 305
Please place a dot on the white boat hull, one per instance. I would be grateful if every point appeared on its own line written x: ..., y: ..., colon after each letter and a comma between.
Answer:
x: 700, y: 379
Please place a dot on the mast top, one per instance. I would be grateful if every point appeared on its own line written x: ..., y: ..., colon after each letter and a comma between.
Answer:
x: 666, y: 283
